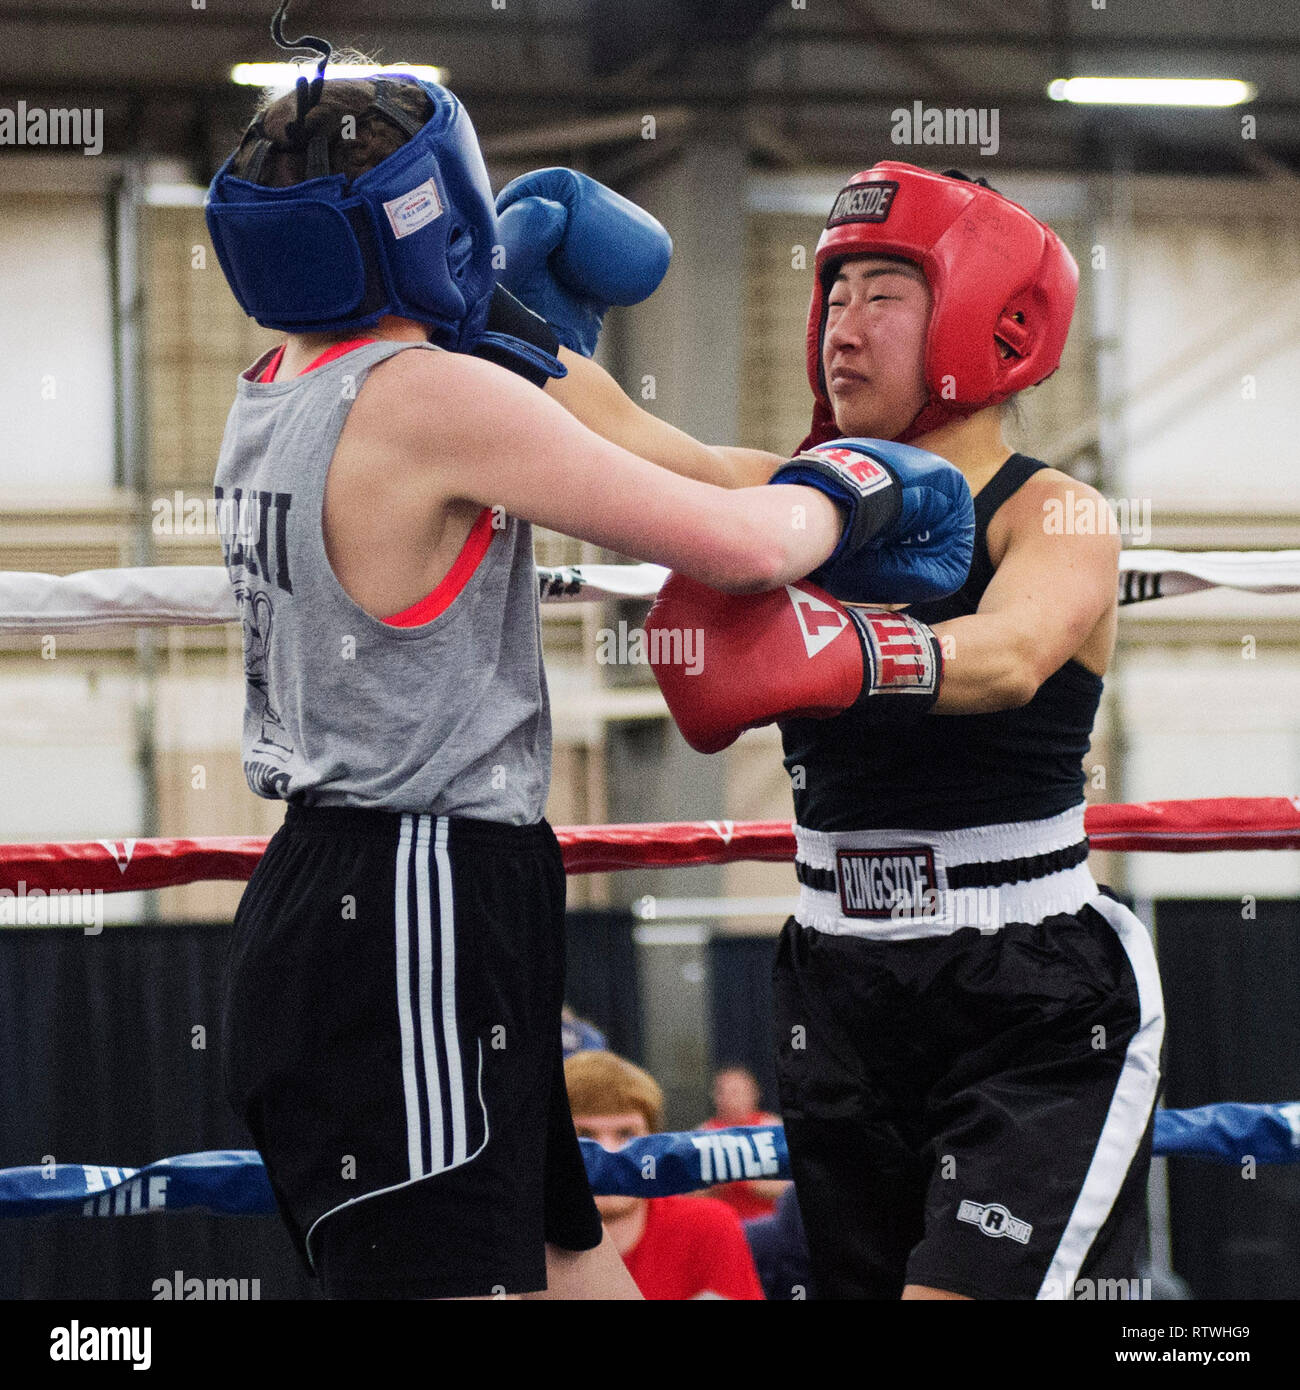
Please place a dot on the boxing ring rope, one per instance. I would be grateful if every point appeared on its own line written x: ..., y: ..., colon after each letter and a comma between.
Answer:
x: 233, y: 1182
x: 129, y: 866
x: 201, y: 596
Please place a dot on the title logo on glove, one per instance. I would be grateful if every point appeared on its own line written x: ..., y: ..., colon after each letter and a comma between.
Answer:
x: 866, y: 475
x: 899, y: 650
x: 819, y: 622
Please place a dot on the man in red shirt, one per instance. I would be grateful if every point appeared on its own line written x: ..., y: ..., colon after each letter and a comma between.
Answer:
x: 674, y: 1247
x: 735, y: 1102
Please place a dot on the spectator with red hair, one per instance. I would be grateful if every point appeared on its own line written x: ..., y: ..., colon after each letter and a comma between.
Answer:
x: 675, y: 1248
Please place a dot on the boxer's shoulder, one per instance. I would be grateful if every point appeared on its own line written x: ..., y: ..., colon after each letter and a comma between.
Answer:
x: 1048, y: 502
x: 432, y: 398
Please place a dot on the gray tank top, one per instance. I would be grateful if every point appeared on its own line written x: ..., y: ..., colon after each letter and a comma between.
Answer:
x: 448, y: 718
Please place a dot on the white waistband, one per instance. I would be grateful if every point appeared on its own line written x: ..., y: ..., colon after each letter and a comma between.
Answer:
x: 976, y: 844
x: 892, y: 885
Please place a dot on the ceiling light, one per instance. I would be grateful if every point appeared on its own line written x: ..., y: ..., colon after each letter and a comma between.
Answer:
x: 1152, y: 91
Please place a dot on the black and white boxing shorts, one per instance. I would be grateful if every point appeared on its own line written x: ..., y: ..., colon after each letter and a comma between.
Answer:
x: 391, y: 1037
x: 968, y: 1041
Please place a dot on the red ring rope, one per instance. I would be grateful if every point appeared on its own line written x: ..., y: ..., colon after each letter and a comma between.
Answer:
x: 121, y: 866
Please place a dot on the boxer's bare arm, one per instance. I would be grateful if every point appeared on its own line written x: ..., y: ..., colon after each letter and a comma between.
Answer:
x: 1049, y: 594
x: 591, y: 395
x: 467, y: 429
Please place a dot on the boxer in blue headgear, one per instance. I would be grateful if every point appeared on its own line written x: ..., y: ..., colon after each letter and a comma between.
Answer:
x: 413, y: 236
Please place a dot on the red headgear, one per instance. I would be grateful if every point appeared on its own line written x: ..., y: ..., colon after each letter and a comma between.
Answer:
x: 995, y: 273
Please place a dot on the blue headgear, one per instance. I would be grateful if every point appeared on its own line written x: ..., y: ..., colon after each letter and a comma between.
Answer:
x: 413, y: 236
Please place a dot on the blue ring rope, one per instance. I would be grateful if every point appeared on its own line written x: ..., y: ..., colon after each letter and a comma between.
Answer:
x: 233, y: 1182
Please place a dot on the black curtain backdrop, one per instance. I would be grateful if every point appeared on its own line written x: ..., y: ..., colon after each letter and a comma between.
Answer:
x: 110, y: 1054
x: 741, y: 971
x: 1232, y: 996
x: 602, y: 983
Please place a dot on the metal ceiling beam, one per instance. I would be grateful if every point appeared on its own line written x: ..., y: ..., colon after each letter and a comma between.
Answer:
x: 776, y: 146
x: 581, y: 133
x: 695, y: 38
x: 496, y: 24
x: 868, y: 24
x: 1265, y: 45
x: 699, y: 94
x: 315, y: 18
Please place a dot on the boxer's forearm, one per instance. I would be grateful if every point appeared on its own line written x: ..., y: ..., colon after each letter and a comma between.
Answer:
x: 987, y: 666
x: 592, y: 396
x: 749, y: 467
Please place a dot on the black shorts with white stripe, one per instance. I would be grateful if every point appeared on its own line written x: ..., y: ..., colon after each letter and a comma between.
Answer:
x: 391, y: 1037
x: 972, y: 1111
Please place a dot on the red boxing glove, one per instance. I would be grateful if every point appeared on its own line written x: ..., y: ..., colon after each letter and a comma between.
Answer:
x: 793, y: 652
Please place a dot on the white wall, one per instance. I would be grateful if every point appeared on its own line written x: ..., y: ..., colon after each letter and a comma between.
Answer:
x: 69, y: 756
x: 1213, y: 312
x: 1206, y: 723
x: 56, y: 385
x: 69, y: 762
x: 1211, y: 324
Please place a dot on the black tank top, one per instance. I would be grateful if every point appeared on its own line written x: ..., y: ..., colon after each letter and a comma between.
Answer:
x: 947, y: 772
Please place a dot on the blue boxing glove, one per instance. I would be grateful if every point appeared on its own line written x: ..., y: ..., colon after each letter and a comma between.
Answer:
x: 573, y: 247
x: 910, y: 531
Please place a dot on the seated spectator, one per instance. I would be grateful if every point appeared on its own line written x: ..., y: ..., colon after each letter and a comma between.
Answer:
x: 577, y: 1035
x: 735, y: 1102
x: 675, y: 1247
x: 780, y: 1251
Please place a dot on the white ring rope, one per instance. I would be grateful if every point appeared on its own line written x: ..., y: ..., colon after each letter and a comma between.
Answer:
x: 200, y: 595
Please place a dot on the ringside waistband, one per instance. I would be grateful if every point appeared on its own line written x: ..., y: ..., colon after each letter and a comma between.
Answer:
x: 903, y: 884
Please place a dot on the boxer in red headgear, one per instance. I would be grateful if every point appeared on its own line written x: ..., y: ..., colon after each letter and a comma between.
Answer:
x: 968, y: 1029
x: 1002, y: 286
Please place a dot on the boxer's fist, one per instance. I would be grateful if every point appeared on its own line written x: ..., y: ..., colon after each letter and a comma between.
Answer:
x: 793, y: 652
x: 573, y: 247
x: 758, y: 658
x: 909, y: 533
